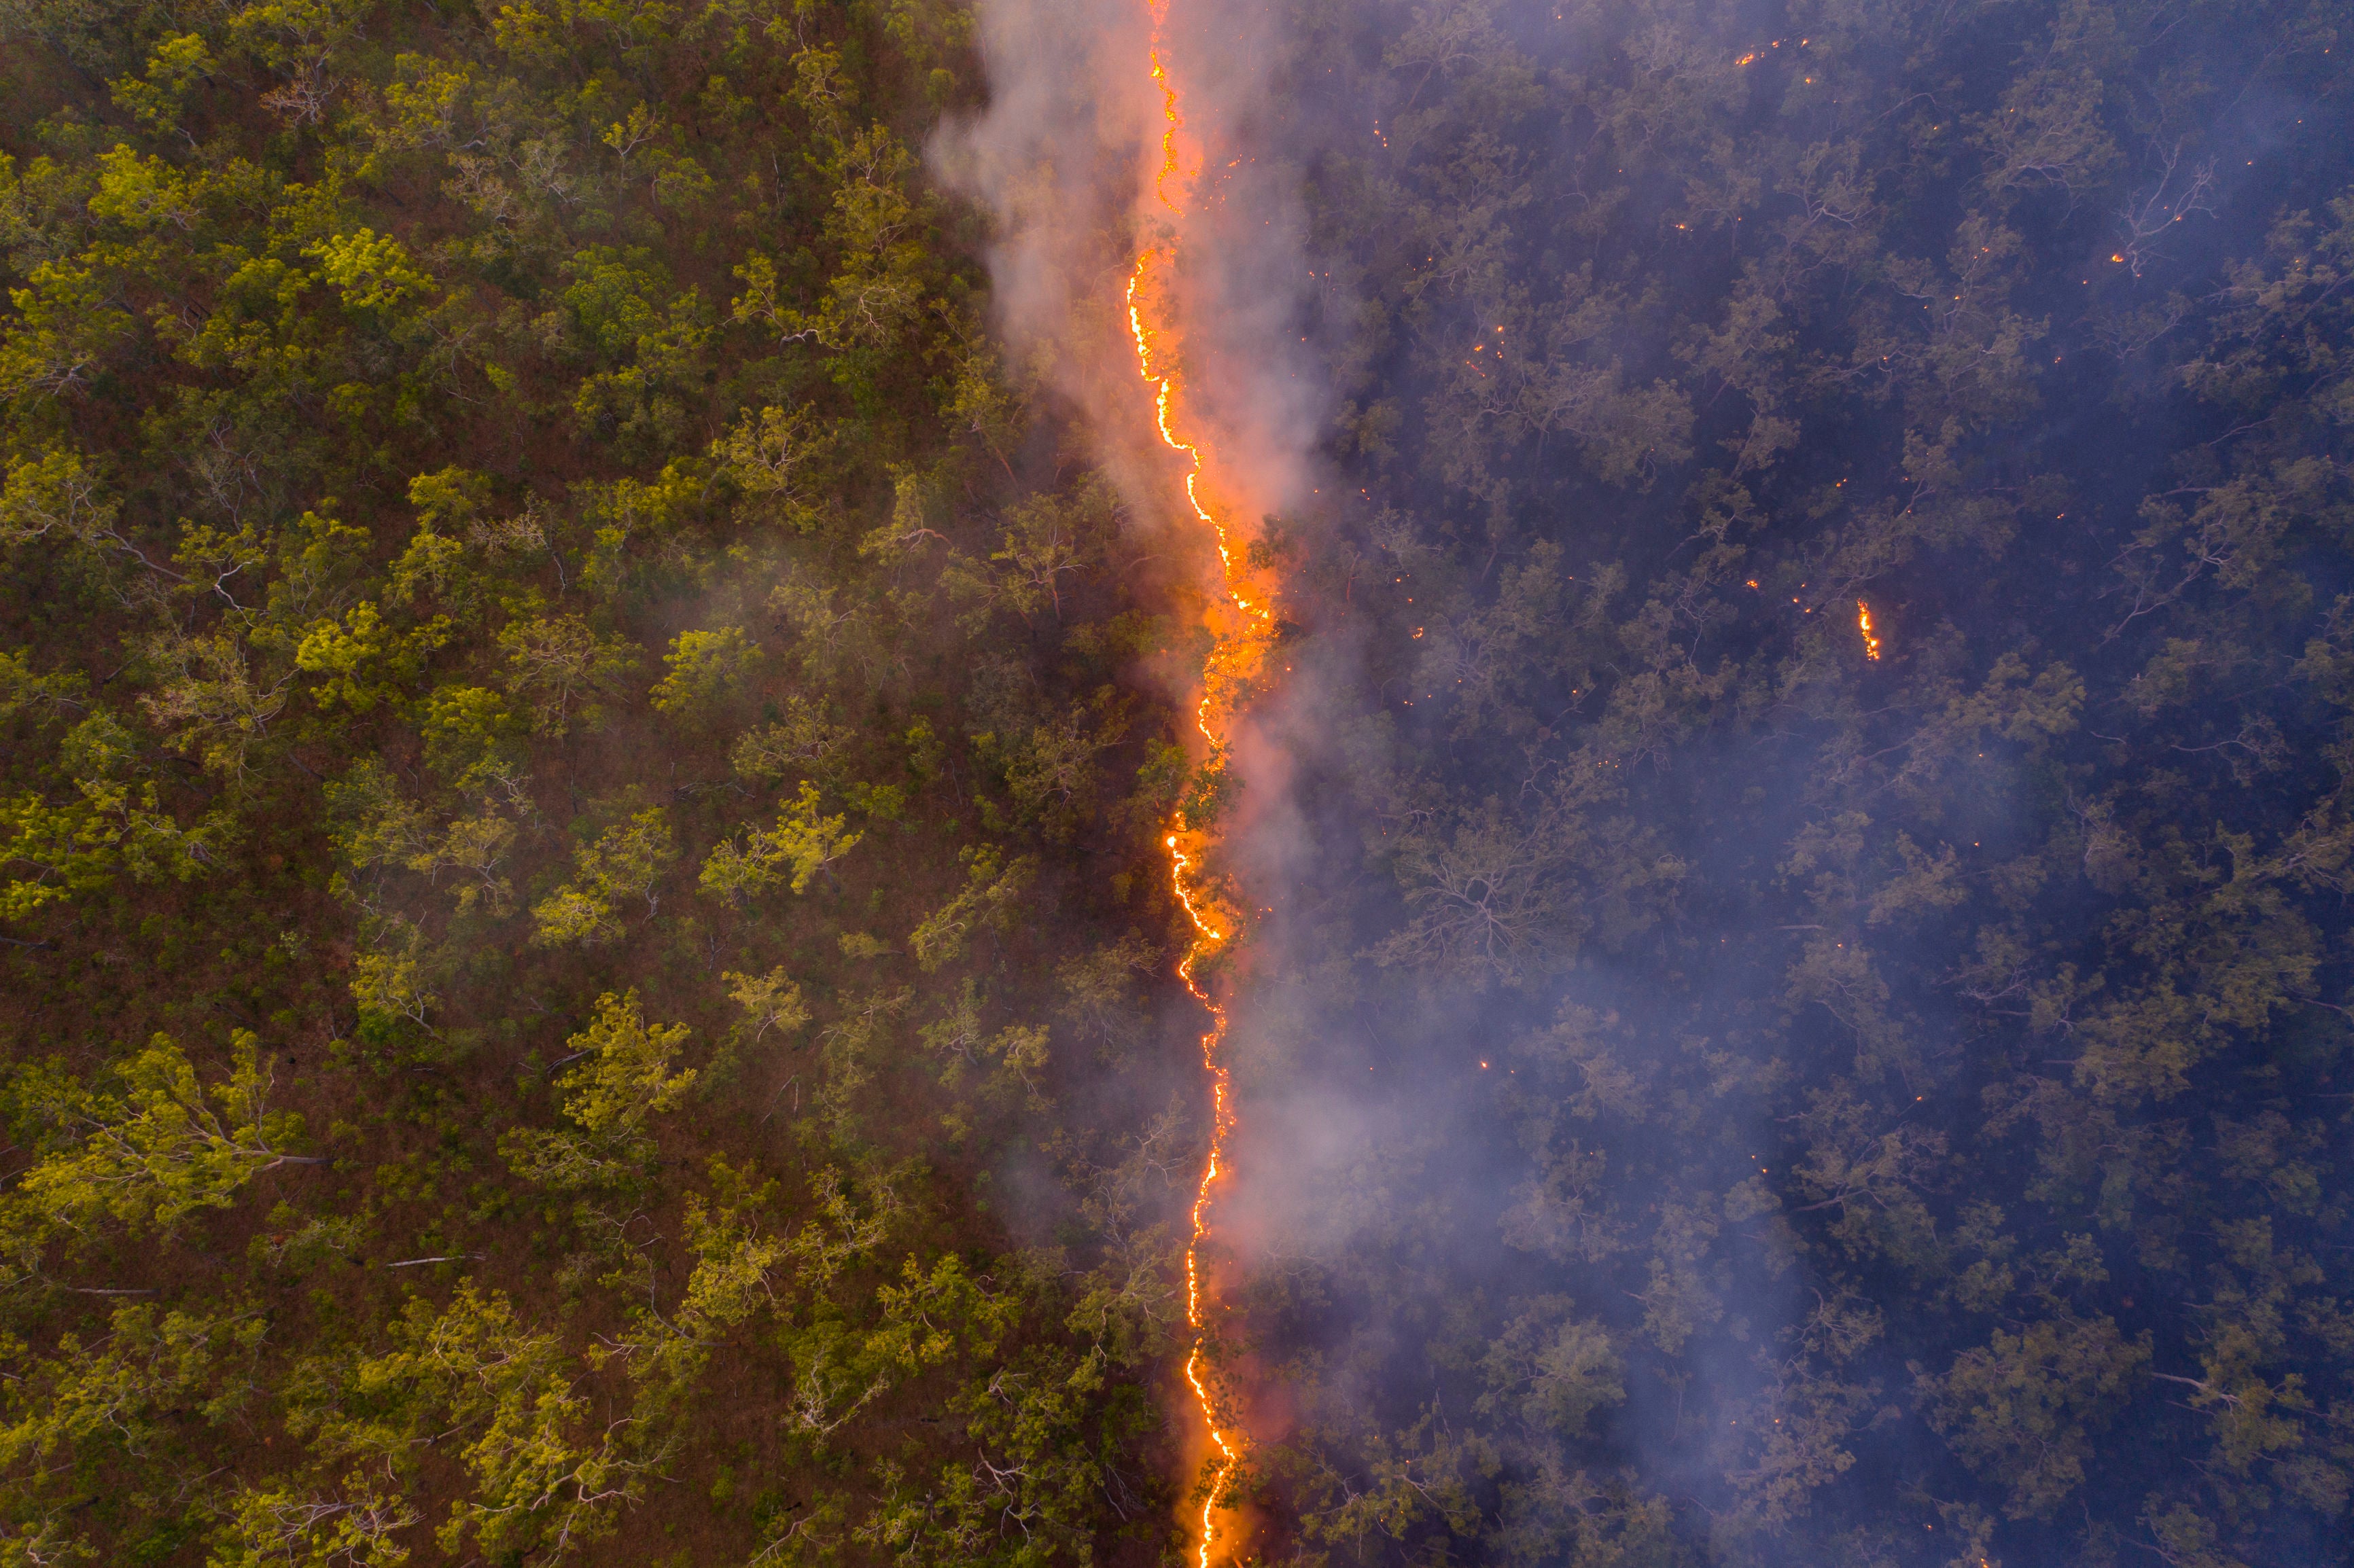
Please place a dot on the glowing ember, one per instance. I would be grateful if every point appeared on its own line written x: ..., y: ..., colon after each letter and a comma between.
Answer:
x: 1864, y: 624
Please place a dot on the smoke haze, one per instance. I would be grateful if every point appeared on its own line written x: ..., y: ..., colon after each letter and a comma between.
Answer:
x: 1701, y: 1099
x: 1067, y: 159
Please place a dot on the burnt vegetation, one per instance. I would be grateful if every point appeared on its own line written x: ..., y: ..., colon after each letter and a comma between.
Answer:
x: 1879, y: 1101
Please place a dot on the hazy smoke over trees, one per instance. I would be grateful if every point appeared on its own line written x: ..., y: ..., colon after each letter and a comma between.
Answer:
x: 1723, y: 1080
x: 1067, y: 158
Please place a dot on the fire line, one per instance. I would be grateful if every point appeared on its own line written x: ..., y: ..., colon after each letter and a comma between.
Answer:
x: 1237, y: 650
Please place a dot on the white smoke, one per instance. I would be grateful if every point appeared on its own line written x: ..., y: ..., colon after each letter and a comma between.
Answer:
x: 1065, y: 159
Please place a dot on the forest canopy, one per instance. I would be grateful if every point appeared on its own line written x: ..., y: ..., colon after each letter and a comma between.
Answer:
x: 584, y: 749
x: 572, y: 813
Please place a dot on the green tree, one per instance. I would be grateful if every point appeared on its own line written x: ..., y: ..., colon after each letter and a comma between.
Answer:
x: 556, y: 663
x: 622, y: 863
x: 165, y: 1149
x: 706, y: 671
x: 801, y: 845
x: 623, y: 1077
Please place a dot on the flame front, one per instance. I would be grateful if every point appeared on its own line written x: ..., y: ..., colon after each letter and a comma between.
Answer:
x: 1243, y: 629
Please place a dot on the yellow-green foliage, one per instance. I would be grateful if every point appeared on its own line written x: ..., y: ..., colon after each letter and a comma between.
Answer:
x: 369, y: 268
x: 165, y: 1148
x: 705, y: 669
x: 619, y: 865
x: 481, y: 508
x: 801, y: 844
x: 624, y: 1077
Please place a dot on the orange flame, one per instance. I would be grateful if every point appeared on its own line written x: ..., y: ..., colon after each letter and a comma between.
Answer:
x: 1237, y: 652
x: 1864, y: 624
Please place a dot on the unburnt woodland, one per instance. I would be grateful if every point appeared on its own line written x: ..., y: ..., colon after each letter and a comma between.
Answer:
x: 579, y: 795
